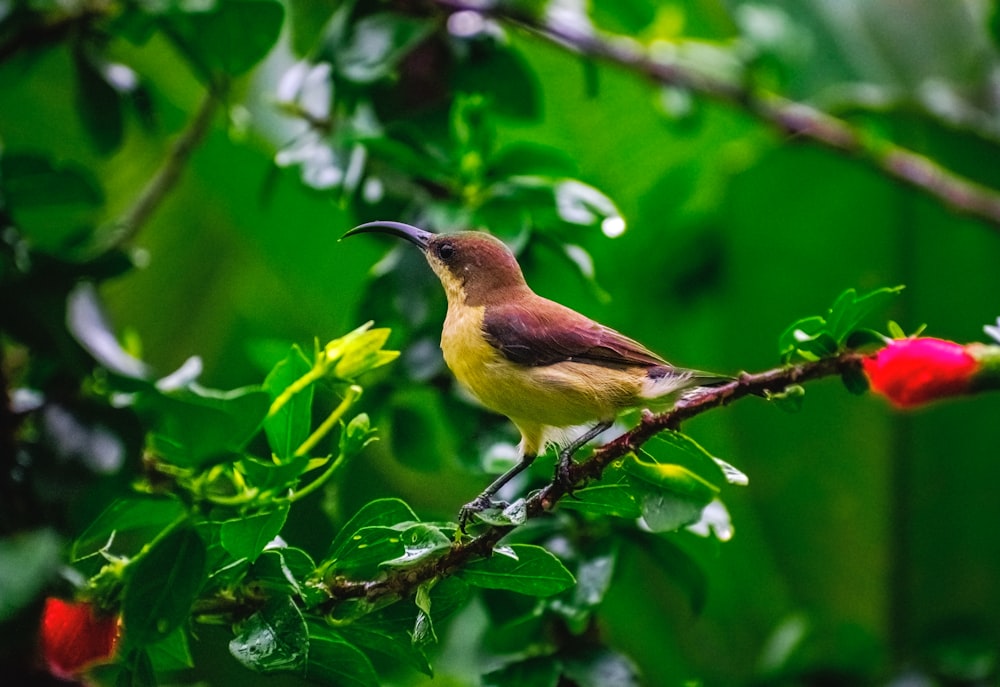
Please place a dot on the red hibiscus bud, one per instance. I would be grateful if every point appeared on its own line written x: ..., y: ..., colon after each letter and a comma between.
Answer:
x: 74, y: 637
x: 910, y: 372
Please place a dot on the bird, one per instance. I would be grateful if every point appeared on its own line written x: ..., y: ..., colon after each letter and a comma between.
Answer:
x: 548, y: 368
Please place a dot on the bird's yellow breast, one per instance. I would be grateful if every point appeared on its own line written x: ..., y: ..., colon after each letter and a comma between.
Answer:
x: 560, y: 395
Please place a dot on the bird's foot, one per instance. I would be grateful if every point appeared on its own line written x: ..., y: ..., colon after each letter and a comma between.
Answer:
x: 564, y: 474
x: 476, y: 506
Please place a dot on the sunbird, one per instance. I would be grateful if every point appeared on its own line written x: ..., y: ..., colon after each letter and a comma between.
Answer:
x: 548, y: 368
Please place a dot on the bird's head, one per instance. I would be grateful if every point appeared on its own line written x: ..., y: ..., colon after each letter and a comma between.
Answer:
x: 472, y: 265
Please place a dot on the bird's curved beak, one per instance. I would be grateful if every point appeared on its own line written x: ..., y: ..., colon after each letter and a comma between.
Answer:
x: 414, y: 235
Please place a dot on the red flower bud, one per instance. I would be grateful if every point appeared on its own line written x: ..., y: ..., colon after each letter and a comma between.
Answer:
x: 73, y: 637
x: 910, y: 372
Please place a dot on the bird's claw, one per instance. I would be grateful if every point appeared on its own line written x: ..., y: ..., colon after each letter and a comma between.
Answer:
x: 475, y: 507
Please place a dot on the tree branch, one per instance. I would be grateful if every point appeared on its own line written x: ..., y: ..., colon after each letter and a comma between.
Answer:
x: 793, y: 118
x: 404, y: 582
x: 128, y: 226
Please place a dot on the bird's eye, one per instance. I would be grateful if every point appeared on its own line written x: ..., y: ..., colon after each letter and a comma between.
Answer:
x: 445, y: 251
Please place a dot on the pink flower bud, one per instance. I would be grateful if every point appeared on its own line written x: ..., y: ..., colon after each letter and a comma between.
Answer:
x: 910, y: 372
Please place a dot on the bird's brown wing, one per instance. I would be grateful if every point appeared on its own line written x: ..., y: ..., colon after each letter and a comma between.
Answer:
x: 544, y: 332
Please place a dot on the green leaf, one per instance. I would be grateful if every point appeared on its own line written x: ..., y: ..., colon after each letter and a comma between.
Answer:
x: 850, y: 309
x: 161, y: 585
x: 172, y: 653
x: 419, y: 542
x: 855, y: 381
x: 53, y: 205
x: 356, y: 435
x: 246, y: 537
x: 534, y: 572
x: 270, y: 476
x: 137, y: 670
x: 605, y: 499
x: 816, y: 337
x: 127, y: 524
x: 504, y: 78
x: 690, y: 454
x: 222, y: 568
x: 291, y: 424
x: 423, y: 626
x: 447, y: 596
x: 522, y: 158
x: 274, y: 639
x: 624, y: 16
x: 593, y: 579
x: 670, y: 496
x: 381, y: 512
x: 334, y: 661
x: 398, y: 647
x: 98, y: 103
x: 367, y: 549
x: 28, y: 562
x: 376, y: 45
x: 283, y: 569
x: 230, y: 38
x: 306, y: 19
x: 671, y: 477
x: 677, y: 556
x: 667, y: 512
x: 539, y: 671
x: 194, y: 426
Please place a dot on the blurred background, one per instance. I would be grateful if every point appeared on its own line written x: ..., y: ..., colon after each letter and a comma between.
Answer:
x: 864, y: 549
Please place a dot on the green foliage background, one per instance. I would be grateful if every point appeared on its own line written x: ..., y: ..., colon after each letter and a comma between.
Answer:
x: 864, y: 544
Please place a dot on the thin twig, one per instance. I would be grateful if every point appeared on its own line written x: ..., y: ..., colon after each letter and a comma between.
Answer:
x: 793, y: 118
x: 169, y: 173
x: 404, y: 582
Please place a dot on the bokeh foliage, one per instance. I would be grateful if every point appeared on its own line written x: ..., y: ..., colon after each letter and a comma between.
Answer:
x: 862, y: 547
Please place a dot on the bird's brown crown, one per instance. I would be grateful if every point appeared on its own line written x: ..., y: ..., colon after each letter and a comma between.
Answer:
x: 478, y: 264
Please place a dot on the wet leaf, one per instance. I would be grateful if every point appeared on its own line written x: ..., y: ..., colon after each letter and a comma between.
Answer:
x: 381, y: 512
x: 274, y: 639
x: 335, y: 661
x: 419, y: 542
x: 604, y: 499
x: 535, y: 572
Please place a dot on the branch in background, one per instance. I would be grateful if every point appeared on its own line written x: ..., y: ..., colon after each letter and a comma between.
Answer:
x: 794, y: 118
x: 168, y: 175
x: 405, y: 582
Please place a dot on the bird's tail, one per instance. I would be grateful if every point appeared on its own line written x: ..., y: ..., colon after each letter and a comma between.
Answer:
x: 665, y: 382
